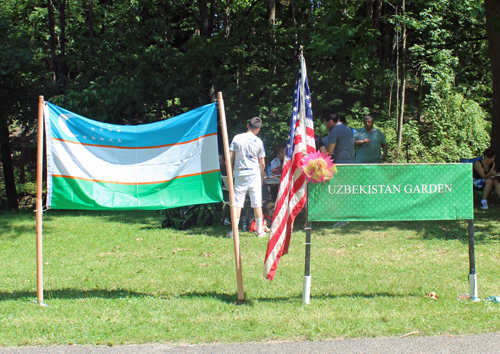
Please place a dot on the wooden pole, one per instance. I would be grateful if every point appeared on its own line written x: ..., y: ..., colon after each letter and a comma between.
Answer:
x: 39, y: 205
x: 237, y: 253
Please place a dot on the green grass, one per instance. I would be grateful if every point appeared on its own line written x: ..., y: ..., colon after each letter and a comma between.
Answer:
x: 118, y: 278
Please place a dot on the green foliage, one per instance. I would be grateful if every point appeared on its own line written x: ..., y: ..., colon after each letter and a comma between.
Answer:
x: 145, y: 61
x: 453, y: 128
x: 457, y: 128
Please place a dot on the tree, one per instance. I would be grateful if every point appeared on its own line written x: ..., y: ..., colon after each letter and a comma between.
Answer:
x: 130, y: 62
x: 493, y: 17
x: 14, y: 58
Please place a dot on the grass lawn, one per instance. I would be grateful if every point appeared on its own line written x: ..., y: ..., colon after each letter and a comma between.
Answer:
x: 118, y: 278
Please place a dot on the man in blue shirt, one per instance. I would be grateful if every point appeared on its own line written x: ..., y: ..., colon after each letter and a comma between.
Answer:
x: 340, y: 140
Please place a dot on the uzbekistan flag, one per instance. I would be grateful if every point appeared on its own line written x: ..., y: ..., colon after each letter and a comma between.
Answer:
x: 167, y: 164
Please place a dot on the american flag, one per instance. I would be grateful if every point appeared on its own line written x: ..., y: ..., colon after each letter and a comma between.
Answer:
x: 292, y: 192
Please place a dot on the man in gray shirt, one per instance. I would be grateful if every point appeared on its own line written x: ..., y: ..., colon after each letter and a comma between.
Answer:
x: 340, y: 140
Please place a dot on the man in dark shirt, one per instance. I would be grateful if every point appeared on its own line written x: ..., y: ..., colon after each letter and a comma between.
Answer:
x: 340, y: 140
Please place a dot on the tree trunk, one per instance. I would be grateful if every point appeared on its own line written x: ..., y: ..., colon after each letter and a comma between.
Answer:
x: 206, y: 25
x: 390, y: 98
x: 21, y: 166
x: 271, y: 20
x: 420, y: 90
x: 374, y: 18
x: 61, y: 59
x: 396, y: 43
x: 52, y: 41
x: 369, y: 90
x: 91, y: 28
x: 403, y: 79
x: 206, y: 19
x: 62, y: 21
x: 58, y: 64
x: 369, y: 9
x: 8, y: 166
x: 493, y: 19
x: 271, y: 12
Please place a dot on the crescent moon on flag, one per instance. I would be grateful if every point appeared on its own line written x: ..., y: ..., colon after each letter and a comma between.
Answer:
x: 63, y: 124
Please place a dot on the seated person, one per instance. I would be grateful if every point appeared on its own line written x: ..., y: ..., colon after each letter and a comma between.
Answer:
x: 484, y: 176
x: 279, y: 156
x: 319, y: 143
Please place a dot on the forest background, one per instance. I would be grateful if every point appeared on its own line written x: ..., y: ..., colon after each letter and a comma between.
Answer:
x: 428, y: 71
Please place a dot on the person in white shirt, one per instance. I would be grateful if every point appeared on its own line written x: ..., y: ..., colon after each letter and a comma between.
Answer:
x: 248, y: 162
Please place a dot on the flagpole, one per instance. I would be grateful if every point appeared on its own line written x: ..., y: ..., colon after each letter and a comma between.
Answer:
x: 472, y: 264
x: 306, y: 294
x: 292, y: 192
x: 39, y: 205
x: 229, y: 168
x: 302, y: 115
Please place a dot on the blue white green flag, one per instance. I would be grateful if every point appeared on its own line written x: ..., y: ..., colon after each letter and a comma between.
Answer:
x: 167, y: 164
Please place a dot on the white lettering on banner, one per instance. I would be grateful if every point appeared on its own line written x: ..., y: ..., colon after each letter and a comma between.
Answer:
x: 390, y: 189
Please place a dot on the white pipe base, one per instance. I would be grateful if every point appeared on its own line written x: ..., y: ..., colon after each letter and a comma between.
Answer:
x: 306, y: 294
x: 473, y: 288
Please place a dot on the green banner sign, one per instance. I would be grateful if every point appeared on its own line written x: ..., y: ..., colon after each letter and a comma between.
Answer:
x: 390, y: 192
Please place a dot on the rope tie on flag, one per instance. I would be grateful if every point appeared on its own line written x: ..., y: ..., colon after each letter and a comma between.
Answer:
x: 44, y: 208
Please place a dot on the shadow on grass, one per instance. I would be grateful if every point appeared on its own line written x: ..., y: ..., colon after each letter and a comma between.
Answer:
x: 13, y: 224
x: 340, y: 296
x: 149, y: 219
x: 15, y: 230
x: 367, y: 296
x: 485, y: 225
x: 75, y: 294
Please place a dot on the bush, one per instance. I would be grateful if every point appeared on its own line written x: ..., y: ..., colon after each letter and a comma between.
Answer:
x: 454, y: 128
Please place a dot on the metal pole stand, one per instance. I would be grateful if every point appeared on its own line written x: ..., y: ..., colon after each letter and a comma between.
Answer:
x: 306, y: 294
x: 472, y: 265
x: 473, y: 288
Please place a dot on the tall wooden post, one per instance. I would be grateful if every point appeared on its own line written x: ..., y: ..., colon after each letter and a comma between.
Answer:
x: 237, y: 253
x: 39, y: 205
